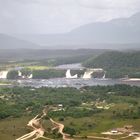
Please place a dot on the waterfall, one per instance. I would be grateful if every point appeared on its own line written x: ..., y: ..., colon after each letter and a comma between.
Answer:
x: 104, y: 76
x: 87, y: 75
x: 30, y: 76
x: 3, y: 74
x: 19, y: 73
x: 69, y: 76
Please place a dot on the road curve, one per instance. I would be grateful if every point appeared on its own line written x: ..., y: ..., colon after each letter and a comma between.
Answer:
x: 60, y: 128
x: 38, y: 130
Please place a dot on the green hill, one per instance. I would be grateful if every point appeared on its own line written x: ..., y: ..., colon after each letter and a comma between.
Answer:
x: 117, y: 64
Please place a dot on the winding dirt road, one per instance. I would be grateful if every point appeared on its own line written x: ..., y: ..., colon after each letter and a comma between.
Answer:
x: 38, y: 130
x: 60, y: 128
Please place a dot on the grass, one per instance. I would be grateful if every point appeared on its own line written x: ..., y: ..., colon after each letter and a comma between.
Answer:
x: 12, y: 128
x: 5, y: 82
x: 93, y: 126
x: 37, y: 67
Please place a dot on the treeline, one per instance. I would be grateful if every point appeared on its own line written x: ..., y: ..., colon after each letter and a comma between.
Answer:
x: 115, y: 60
x: 129, y: 113
x: 46, y: 74
x: 18, y: 101
x: 116, y: 90
x: 42, y: 54
x: 117, y: 64
x: 42, y: 74
x: 54, y: 73
x: 75, y: 112
x: 65, y: 60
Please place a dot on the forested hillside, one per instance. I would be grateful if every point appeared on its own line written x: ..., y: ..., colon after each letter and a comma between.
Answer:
x: 117, y: 64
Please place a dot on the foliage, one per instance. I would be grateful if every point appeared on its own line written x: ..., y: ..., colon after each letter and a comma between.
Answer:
x: 70, y: 131
x: 17, y: 101
x: 46, y: 74
x: 117, y: 64
x: 13, y: 74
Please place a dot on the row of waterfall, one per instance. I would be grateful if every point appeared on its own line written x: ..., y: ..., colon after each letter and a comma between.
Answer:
x: 23, y: 76
x: 3, y: 75
x: 87, y: 74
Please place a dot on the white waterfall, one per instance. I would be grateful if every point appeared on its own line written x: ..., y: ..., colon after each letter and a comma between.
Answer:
x: 104, y: 76
x: 3, y: 74
x: 30, y: 76
x: 87, y: 75
x: 19, y: 73
x: 69, y: 76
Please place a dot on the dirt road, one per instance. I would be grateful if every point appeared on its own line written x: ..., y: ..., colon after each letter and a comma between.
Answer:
x: 60, y: 128
x: 38, y: 130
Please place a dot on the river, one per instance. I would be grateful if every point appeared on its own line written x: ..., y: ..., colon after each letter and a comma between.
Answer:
x: 77, y: 83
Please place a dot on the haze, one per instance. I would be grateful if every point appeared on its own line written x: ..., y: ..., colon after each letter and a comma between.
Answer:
x: 59, y: 16
x: 69, y: 23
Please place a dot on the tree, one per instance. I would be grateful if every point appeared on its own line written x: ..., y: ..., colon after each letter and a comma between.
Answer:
x: 70, y: 131
x: 13, y: 74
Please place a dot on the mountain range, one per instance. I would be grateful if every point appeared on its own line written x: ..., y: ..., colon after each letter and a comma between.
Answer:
x: 117, y: 33
x: 10, y: 42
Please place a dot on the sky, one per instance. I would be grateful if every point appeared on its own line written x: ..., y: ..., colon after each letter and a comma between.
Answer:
x: 59, y: 16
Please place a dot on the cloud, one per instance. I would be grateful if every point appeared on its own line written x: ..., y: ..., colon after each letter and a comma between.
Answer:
x: 54, y: 16
x: 110, y: 4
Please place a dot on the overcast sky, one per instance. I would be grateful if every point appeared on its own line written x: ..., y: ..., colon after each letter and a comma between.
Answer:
x: 58, y: 16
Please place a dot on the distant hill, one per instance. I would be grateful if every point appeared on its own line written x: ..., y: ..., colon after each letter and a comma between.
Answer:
x: 115, y: 34
x: 114, y: 59
x: 9, y: 42
x: 124, y: 33
x: 124, y: 30
x: 63, y: 56
x: 117, y: 64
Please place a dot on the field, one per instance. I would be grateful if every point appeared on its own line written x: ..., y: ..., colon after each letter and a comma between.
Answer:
x: 12, y: 128
x: 85, y: 112
x: 37, y: 67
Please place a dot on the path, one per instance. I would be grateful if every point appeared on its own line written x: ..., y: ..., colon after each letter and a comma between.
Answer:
x: 38, y: 130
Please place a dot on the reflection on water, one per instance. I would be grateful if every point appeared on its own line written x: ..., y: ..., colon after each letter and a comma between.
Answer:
x: 77, y: 83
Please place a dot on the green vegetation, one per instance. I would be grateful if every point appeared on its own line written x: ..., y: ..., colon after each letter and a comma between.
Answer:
x: 13, y: 74
x: 37, y: 74
x: 18, y: 99
x: 117, y: 64
x: 85, y: 111
x: 46, y: 74
x: 42, y: 62
x: 115, y: 60
x: 44, y: 57
x: 41, y: 73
